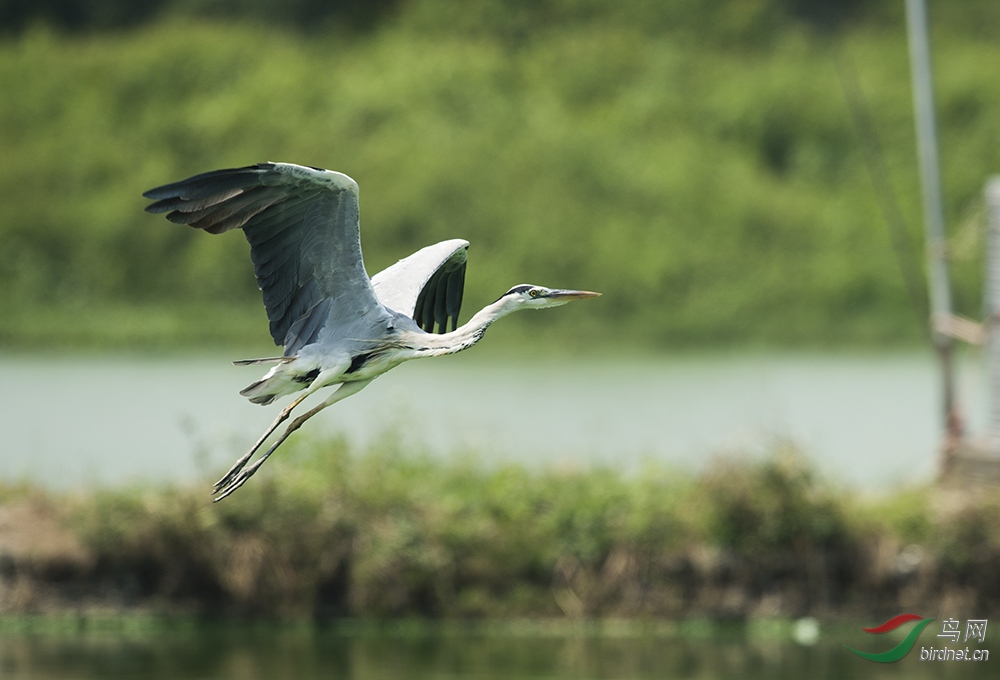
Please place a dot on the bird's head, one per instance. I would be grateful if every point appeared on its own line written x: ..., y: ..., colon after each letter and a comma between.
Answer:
x: 528, y: 296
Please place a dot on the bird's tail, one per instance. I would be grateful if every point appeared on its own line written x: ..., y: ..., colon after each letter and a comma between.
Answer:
x: 285, y: 378
x: 260, y: 392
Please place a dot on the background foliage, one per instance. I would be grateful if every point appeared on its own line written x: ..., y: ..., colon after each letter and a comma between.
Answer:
x: 694, y: 161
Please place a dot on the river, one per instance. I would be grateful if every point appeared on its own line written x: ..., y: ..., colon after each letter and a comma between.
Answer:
x: 867, y: 421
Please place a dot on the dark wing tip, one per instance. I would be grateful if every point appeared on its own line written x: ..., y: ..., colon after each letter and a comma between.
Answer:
x: 184, y: 187
x: 160, y: 206
x: 440, y: 300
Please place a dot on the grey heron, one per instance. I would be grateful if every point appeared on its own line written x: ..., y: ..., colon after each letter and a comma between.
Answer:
x: 337, y: 326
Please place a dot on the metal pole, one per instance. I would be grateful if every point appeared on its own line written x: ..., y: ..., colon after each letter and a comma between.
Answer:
x: 992, y: 196
x: 937, y: 263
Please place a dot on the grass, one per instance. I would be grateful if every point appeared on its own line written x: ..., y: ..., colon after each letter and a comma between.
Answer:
x: 327, y: 534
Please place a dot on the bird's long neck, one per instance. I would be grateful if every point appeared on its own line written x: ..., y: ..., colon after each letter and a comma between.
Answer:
x: 468, y: 334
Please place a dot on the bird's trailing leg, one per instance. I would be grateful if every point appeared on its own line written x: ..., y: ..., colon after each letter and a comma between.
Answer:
x: 316, y: 384
x: 239, y: 475
x: 239, y: 464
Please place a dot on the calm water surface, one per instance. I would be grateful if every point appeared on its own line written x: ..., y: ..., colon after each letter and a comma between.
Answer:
x: 243, y: 655
x: 866, y: 421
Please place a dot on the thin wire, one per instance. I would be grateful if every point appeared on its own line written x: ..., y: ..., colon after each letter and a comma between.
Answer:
x: 899, y: 232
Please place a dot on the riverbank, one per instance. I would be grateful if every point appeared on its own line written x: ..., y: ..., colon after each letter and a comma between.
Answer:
x: 327, y: 534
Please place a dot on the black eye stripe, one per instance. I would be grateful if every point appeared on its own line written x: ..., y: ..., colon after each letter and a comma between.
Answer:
x: 523, y: 288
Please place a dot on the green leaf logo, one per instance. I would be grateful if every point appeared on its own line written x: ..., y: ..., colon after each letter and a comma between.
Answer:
x: 903, y: 648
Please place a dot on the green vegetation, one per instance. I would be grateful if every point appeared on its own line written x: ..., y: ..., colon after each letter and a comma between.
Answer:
x: 693, y: 161
x: 326, y: 534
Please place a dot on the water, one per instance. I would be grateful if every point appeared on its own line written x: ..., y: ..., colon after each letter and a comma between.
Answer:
x: 866, y: 421
x: 247, y: 654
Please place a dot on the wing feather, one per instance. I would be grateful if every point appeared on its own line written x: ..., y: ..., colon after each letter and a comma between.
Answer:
x: 186, y: 205
x: 427, y: 286
x: 208, y: 183
x: 456, y: 288
x: 305, y: 243
x: 441, y: 302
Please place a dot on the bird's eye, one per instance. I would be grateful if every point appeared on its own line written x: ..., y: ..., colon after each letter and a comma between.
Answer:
x: 533, y: 292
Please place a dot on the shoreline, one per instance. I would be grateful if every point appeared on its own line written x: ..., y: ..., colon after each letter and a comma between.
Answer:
x: 387, y: 535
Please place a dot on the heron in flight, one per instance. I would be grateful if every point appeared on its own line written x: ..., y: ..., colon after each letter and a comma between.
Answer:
x: 337, y: 326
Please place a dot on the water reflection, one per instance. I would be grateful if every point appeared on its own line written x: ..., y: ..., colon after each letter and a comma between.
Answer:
x: 243, y: 654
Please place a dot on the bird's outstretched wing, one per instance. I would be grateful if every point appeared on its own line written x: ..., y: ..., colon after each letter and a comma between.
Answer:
x: 427, y: 285
x: 305, y: 243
